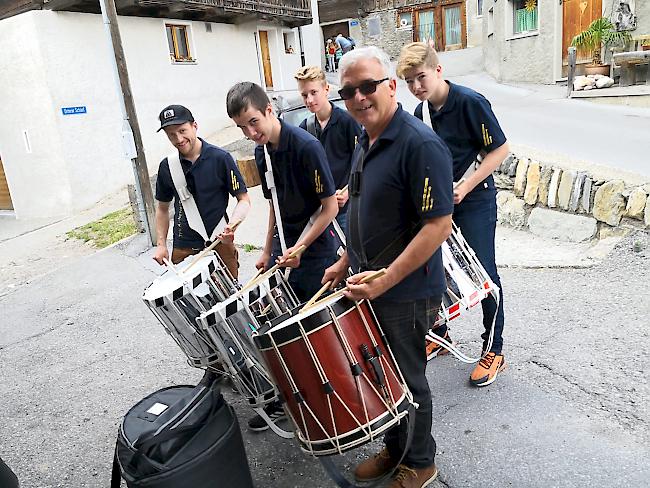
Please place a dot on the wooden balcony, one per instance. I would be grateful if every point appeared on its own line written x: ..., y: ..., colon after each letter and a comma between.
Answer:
x: 290, y: 13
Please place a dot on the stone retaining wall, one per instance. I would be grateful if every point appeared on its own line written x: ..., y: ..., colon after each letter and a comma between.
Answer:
x: 567, y: 204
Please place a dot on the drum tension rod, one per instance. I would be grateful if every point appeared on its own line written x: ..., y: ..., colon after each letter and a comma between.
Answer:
x: 376, y: 367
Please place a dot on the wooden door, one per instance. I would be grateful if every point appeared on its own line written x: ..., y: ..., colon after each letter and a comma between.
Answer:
x: 5, y: 197
x: 266, y: 59
x: 576, y: 17
x: 453, y: 18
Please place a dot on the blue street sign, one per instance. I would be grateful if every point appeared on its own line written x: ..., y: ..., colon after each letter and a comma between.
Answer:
x: 354, y: 23
x: 73, y: 110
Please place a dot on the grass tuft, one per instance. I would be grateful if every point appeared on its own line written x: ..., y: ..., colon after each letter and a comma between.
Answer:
x: 107, y: 230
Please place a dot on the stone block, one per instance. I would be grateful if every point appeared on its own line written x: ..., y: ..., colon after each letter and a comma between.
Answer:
x: 607, y: 231
x: 553, y: 187
x: 502, y: 182
x: 505, y: 165
x: 636, y: 203
x: 520, y: 178
x: 575, y: 192
x: 563, y: 226
x: 544, y: 183
x: 585, y: 201
x: 646, y: 218
x: 609, y: 203
x: 565, y: 188
x: 510, y: 210
x: 532, y: 184
x: 512, y: 170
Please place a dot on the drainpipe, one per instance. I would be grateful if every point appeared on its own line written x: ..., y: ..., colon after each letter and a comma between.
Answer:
x: 302, y: 48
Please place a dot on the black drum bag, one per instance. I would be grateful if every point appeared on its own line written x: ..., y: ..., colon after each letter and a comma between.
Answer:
x: 181, y: 437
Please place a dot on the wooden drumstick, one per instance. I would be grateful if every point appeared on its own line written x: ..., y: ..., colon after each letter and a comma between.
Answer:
x: 210, y: 248
x: 259, y: 272
x: 342, y: 190
x: 341, y: 292
x: 261, y: 277
x: 311, y: 301
x: 170, y: 265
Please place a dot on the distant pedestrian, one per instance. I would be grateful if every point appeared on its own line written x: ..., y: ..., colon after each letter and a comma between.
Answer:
x: 211, y: 175
x: 464, y: 119
x: 330, y: 51
x: 344, y: 42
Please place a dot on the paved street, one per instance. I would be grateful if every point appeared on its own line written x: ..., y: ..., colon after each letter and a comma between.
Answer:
x: 78, y: 348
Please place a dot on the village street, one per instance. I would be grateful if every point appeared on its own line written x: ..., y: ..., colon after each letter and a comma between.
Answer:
x: 78, y: 348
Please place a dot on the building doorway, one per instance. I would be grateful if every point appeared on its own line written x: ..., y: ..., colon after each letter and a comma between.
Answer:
x: 266, y: 59
x: 330, y: 31
x: 576, y: 17
x: 5, y: 196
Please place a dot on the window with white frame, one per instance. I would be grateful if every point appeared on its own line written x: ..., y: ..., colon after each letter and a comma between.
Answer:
x: 178, y: 40
x: 479, y: 8
x: 405, y: 20
x: 289, y: 42
x: 524, y: 16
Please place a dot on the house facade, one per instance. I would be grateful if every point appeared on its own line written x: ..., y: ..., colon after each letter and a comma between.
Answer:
x: 389, y: 24
x: 528, y: 40
x: 61, y: 144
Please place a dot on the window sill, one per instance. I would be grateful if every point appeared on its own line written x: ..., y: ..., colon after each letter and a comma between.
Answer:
x: 407, y: 28
x: 193, y: 61
x: 523, y: 35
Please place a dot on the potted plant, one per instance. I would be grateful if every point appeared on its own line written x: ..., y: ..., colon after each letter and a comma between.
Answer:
x: 600, y: 33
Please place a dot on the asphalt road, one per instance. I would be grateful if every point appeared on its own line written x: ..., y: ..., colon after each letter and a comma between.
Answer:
x: 78, y: 348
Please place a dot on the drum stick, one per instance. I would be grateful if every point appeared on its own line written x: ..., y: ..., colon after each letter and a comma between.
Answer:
x: 296, y: 252
x: 318, y: 294
x: 210, y: 248
x: 259, y: 272
x: 342, y: 190
x: 169, y: 264
x: 458, y: 183
x: 341, y: 292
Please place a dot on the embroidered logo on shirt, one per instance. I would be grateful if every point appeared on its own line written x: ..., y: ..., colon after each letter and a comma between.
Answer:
x: 487, y: 138
x: 427, y: 199
x: 234, y: 181
x: 317, y: 182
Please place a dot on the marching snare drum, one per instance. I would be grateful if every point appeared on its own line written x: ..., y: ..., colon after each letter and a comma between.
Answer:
x: 180, y: 295
x: 339, y: 381
x: 229, y: 325
x: 271, y: 297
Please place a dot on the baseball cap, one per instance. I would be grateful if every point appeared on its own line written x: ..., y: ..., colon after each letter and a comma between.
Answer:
x: 173, y: 115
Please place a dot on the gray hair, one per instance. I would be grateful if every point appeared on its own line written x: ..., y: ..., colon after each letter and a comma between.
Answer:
x: 369, y: 52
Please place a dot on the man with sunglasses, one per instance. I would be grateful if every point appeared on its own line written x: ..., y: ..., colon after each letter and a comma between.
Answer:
x: 401, y: 201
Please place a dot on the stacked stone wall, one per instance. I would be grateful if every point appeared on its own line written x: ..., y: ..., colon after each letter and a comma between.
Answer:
x: 390, y: 38
x: 567, y: 204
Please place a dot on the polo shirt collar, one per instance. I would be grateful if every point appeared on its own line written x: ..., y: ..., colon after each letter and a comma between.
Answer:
x: 204, y: 149
x: 391, y: 132
x: 335, y: 115
x: 449, y: 103
x: 283, y: 144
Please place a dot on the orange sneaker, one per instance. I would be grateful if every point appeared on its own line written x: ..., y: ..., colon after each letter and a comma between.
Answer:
x: 433, y: 349
x: 487, y: 370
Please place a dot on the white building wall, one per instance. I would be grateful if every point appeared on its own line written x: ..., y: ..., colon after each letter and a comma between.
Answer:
x: 474, y: 23
x: 76, y: 160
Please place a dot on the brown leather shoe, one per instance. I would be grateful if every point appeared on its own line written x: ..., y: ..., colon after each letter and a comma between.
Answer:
x: 375, y: 467
x: 406, y: 477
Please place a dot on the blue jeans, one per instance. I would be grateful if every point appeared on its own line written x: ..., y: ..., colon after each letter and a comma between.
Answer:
x: 404, y: 324
x: 306, y: 280
x: 477, y: 221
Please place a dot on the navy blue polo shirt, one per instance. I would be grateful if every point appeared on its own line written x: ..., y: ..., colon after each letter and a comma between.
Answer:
x: 339, y: 138
x: 302, y: 178
x: 210, y: 179
x: 406, y: 179
x: 468, y: 126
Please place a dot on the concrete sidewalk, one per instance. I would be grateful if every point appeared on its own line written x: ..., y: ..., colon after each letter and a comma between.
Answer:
x: 78, y: 348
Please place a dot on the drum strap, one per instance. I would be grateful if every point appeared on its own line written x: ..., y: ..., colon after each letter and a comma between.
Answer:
x: 311, y: 125
x: 270, y: 184
x: 390, y: 252
x: 189, y: 204
x: 337, y: 476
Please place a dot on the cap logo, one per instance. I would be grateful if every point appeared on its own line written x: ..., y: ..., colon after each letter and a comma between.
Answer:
x: 168, y: 114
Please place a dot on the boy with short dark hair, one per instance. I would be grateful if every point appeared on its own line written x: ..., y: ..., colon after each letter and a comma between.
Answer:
x: 303, y: 183
x: 464, y: 119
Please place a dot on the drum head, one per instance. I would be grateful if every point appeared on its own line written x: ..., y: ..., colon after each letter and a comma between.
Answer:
x: 174, y: 280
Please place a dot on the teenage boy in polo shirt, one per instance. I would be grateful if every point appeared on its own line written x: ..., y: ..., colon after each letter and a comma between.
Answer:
x: 464, y: 120
x: 303, y: 182
x: 400, y: 213
x: 334, y: 127
x: 211, y: 175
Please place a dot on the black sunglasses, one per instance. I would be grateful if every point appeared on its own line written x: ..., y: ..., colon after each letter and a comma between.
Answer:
x: 366, y: 88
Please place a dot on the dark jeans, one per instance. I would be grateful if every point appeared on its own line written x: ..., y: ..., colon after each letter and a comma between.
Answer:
x: 404, y: 324
x: 477, y: 221
x: 7, y: 477
x: 306, y: 280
